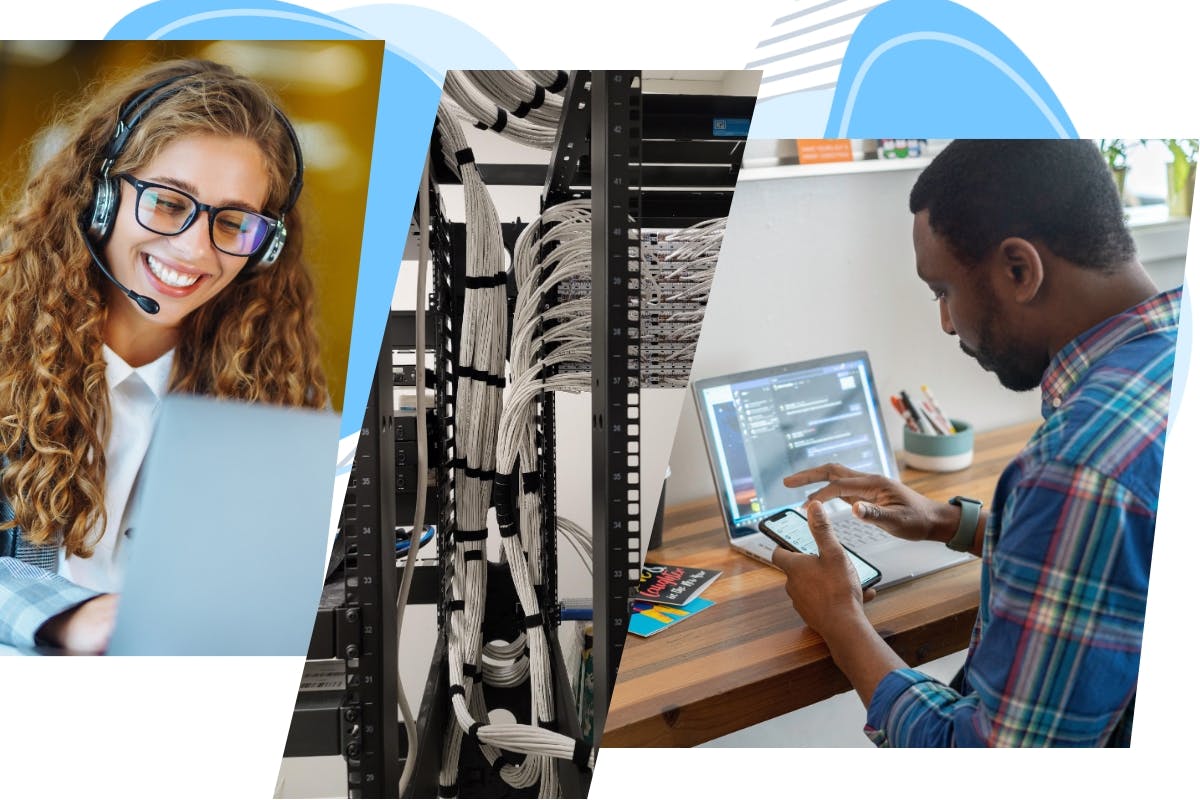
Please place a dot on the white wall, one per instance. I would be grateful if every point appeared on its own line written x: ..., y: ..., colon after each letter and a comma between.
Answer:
x: 819, y: 265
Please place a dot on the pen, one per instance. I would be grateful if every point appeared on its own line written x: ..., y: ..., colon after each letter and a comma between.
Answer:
x: 909, y: 422
x: 938, y: 409
x: 935, y: 419
x: 912, y: 410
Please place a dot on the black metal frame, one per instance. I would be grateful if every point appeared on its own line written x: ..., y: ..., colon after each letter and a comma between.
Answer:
x: 370, y: 729
x: 616, y: 369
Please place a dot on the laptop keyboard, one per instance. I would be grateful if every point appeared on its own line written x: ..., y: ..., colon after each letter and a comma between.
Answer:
x: 855, y: 533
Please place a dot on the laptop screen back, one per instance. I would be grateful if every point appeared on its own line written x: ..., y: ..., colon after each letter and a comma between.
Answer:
x: 230, y: 532
x: 762, y: 426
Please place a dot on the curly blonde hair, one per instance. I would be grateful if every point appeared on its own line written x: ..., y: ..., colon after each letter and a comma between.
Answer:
x: 255, y: 341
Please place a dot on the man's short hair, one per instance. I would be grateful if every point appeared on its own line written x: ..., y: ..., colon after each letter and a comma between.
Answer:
x: 1059, y: 192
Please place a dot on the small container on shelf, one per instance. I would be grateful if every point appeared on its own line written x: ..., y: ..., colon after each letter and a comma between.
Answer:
x: 940, y: 453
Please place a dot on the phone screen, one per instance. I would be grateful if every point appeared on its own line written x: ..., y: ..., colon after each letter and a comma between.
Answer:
x: 792, y: 527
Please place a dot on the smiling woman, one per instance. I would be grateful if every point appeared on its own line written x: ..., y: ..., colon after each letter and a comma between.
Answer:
x: 158, y: 250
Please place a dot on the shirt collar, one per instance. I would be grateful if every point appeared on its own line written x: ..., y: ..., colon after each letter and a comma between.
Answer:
x: 156, y: 375
x: 1159, y: 314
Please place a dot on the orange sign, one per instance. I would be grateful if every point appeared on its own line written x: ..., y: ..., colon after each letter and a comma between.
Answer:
x: 823, y: 151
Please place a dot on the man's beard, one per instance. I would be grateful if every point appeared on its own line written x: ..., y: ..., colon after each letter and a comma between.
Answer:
x: 1015, y: 370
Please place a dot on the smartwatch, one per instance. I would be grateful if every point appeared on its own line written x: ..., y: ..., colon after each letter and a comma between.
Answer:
x: 964, y: 537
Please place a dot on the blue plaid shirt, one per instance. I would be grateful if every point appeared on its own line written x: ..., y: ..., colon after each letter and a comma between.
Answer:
x: 29, y: 596
x: 1053, y: 657
x: 31, y: 591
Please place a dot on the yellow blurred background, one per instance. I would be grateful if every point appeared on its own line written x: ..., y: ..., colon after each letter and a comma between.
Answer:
x: 329, y: 91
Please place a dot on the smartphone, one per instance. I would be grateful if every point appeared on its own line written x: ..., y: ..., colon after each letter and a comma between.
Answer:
x: 789, y: 528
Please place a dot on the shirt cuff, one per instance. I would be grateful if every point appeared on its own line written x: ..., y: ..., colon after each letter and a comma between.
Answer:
x: 29, y: 597
x: 889, y: 690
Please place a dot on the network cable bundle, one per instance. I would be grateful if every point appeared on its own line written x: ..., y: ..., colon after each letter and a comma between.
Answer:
x: 502, y: 608
x: 603, y: 293
x: 677, y: 274
x: 490, y: 433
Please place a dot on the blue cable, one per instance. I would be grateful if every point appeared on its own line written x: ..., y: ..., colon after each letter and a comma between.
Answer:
x: 402, y: 545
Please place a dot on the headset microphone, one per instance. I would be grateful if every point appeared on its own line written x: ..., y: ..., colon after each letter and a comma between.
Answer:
x: 147, y: 304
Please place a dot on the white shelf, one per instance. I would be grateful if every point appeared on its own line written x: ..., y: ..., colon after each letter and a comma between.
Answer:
x: 1154, y: 216
x: 837, y: 168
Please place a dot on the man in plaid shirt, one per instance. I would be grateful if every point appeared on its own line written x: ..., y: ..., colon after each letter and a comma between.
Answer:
x: 1024, y: 246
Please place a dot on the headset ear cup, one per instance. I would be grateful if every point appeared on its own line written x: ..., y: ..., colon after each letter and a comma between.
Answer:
x: 104, y: 210
x: 273, y: 248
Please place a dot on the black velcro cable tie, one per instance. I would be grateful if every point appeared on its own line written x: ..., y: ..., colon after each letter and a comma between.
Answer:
x: 481, y: 125
x: 448, y: 789
x: 522, y: 110
x: 473, y: 472
x: 539, y: 97
x: 459, y: 605
x: 487, y: 281
x: 531, y: 482
x: 470, y: 670
x: 583, y: 752
x: 501, y: 120
x: 473, y: 555
x: 559, y: 84
x: 547, y: 724
x: 463, y: 371
x: 471, y: 536
x: 473, y: 732
x: 535, y: 620
x: 464, y: 156
x: 458, y: 688
x: 511, y: 529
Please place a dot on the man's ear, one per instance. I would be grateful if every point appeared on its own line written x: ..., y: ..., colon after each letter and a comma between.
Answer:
x: 1023, y: 270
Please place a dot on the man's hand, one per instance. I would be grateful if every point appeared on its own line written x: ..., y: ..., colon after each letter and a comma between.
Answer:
x: 824, y: 588
x: 84, y: 629
x: 882, y: 501
x: 826, y: 592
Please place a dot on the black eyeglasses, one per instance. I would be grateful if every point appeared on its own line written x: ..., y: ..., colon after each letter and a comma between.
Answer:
x: 168, y: 211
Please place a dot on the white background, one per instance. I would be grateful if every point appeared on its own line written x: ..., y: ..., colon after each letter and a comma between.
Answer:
x: 215, y: 727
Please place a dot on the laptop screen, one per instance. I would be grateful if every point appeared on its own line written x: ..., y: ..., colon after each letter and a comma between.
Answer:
x: 764, y: 425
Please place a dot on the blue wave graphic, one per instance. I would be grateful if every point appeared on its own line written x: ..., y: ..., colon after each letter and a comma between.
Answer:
x: 931, y: 68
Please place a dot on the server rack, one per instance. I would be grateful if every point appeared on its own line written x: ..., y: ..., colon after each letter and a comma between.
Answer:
x: 645, y: 161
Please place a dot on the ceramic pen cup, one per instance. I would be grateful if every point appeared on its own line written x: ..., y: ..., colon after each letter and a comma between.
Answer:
x: 940, y: 453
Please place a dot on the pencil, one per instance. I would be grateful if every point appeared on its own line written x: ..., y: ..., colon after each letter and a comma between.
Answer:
x: 936, y: 407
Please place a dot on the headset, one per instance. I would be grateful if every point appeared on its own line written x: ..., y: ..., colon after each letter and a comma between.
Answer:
x: 100, y: 216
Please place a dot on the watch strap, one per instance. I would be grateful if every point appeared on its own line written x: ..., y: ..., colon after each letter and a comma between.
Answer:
x: 964, y: 537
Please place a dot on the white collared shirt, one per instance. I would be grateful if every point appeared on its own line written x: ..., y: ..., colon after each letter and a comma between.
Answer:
x: 133, y: 399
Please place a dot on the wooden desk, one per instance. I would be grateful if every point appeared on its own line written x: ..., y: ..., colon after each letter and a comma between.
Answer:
x: 749, y: 658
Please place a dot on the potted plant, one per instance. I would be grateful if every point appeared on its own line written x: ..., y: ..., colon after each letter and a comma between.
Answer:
x: 1181, y: 176
x: 1116, y: 153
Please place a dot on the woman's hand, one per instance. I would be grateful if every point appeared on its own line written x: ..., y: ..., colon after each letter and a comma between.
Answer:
x: 84, y: 629
x: 882, y: 501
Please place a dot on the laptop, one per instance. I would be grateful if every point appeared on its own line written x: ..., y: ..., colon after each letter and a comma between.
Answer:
x: 763, y: 425
x: 230, y: 531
